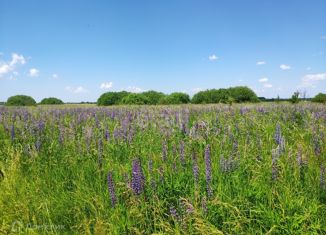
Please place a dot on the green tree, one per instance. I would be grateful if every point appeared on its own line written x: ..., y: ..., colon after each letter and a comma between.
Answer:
x: 243, y: 94
x: 51, y: 100
x: 20, y: 100
x: 153, y: 96
x: 295, y: 97
x: 134, y: 98
x: 319, y: 98
x: 176, y: 98
x: 112, y: 98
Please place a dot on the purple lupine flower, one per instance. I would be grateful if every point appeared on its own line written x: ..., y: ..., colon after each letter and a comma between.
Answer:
x: 164, y: 151
x: 195, y: 168
x: 278, y: 134
x: 107, y: 134
x: 182, y: 153
x: 111, y: 189
x: 137, y: 180
x: 275, y: 157
x: 316, y: 144
x: 174, y: 212
x: 100, y: 153
x: 204, y: 205
x: 12, y: 132
x: 38, y: 145
x: 208, y: 171
x: 186, y: 206
x: 161, y: 172
x: 299, y: 159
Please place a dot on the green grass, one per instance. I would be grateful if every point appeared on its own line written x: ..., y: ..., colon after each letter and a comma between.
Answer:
x: 62, y: 188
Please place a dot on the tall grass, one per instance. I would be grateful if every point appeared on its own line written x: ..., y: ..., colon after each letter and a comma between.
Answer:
x: 145, y: 170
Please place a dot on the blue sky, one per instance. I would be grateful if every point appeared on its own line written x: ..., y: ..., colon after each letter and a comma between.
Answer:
x: 76, y: 50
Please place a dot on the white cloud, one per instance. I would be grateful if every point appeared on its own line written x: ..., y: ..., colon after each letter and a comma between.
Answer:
x: 310, y: 80
x: 285, y: 67
x: 314, y: 77
x: 308, y: 68
x: 33, y: 72
x: 17, y: 59
x: 4, y: 69
x: 55, y: 76
x: 260, y: 63
x: 262, y: 80
x: 268, y: 85
x: 212, y: 57
x: 134, y: 89
x: 76, y: 90
x: 106, y: 85
x: 7, y: 67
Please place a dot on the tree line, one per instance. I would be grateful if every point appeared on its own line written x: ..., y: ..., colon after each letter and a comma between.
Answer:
x: 230, y: 95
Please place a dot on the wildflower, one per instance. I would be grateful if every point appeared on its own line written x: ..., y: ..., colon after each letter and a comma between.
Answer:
x: 111, y: 189
x: 195, y: 168
x: 12, y: 132
x: 182, y: 154
x: 208, y: 170
x: 164, y: 152
x: 138, y: 179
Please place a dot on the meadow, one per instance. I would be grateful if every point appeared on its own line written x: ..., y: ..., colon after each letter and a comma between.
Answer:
x: 185, y: 169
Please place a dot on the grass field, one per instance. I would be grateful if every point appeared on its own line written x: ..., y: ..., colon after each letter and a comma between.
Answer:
x: 196, y: 169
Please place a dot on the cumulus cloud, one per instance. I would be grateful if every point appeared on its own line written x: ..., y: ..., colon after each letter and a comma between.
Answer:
x: 9, y: 66
x: 260, y: 63
x: 76, y: 90
x: 212, y: 57
x: 134, y: 89
x: 310, y: 80
x: 262, y: 80
x: 33, y: 72
x: 55, y: 76
x: 106, y: 85
x: 285, y: 67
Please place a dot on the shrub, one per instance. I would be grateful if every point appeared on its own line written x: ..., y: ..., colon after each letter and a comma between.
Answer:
x: 238, y: 94
x: 134, y: 98
x: 112, y: 98
x: 319, y: 98
x: 176, y: 98
x: 51, y: 100
x: 20, y: 100
x: 153, y: 97
x: 243, y: 94
x: 295, y: 98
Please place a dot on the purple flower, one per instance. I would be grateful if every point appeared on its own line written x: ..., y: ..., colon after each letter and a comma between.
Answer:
x: 100, y: 153
x: 173, y: 212
x: 12, y: 132
x: 107, y: 134
x: 111, y: 189
x: 322, y: 178
x: 208, y: 171
x: 164, y: 151
x: 182, y: 153
x: 138, y: 179
x: 38, y: 145
x: 195, y: 168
